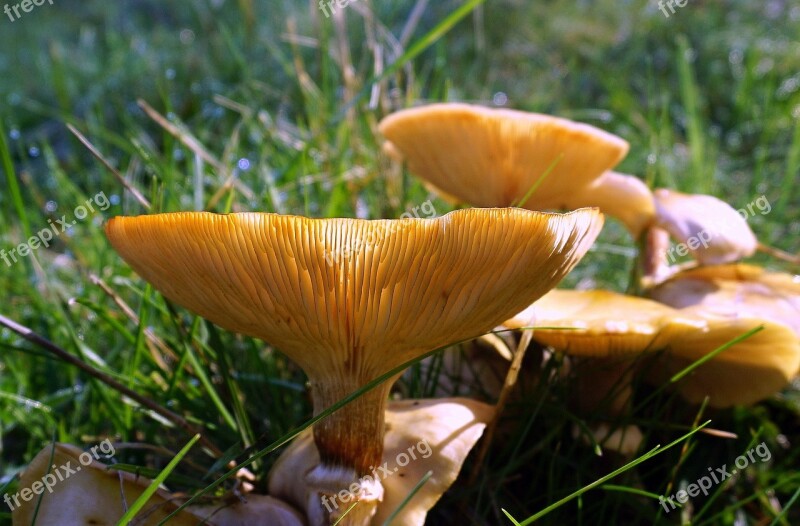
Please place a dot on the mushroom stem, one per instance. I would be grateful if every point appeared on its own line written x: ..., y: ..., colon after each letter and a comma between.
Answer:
x: 350, y: 445
x: 351, y: 437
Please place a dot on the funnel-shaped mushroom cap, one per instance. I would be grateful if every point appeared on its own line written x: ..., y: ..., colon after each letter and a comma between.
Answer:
x: 80, y: 491
x: 494, y: 157
x: 710, y: 229
x: 355, y: 297
x: 743, y: 374
x: 625, y: 197
x: 421, y: 436
x: 601, y: 323
x: 743, y: 290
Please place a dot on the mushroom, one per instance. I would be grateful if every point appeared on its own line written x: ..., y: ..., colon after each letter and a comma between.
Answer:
x: 421, y: 436
x: 607, y: 325
x: 734, y: 299
x: 77, y: 490
x: 743, y: 374
x: 500, y: 157
x: 624, y: 197
x: 349, y: 300
x: 605, y: 333
x: 735, y: 289
x: 709, y: 229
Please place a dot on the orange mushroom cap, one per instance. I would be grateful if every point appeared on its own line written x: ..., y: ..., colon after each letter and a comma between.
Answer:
x: 495, y: 157
x: 395, y: 288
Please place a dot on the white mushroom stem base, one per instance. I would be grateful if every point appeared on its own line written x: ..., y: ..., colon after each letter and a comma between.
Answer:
x: 424, y: 439
x: 334, y: 492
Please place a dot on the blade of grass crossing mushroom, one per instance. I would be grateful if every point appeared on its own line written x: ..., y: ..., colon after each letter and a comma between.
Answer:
x: 676, y: 377
x: 153, y: 487
x: 539, y: 181
x: 714, y: 353
x: 295, y: 432
x: 49, y: 463
x: 345, y: 513
x: 408, y: 498
x: 647, y: 456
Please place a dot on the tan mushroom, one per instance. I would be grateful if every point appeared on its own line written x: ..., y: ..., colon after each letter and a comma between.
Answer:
x: 602, y: 324
x: 621, y: 196
x: 77, y: 490
x: 607, y: 324
x: 349, y: 300
x: 752, y: 370
x: 500, y: 157
x: 605, y: 333
x: 421, y: 436
x: 737, y: 289
x: 709, y: 229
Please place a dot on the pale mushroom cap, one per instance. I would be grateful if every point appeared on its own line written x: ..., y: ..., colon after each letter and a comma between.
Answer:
x: 749, y: 371
x: 255, y: 510
x: 355, y: 297
x: 711, y: 230
x: 89, y: 495
x: 439, y: 433
x: 731, y: 290
x: 602, y: 323
x: 624, y: 197
x: 493, y: 157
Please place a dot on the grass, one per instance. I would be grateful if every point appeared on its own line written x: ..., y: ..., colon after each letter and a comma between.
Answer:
x: 270, y: 106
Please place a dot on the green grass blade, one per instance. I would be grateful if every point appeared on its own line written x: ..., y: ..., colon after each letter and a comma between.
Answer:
x: 647, y: 456
x: 408, y: 498
x: 151, y: 489
x: 714, y: 353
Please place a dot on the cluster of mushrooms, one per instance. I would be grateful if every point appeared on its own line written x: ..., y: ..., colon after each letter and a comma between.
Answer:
x: 416, y: 285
